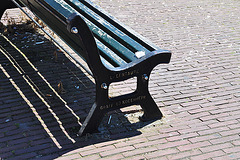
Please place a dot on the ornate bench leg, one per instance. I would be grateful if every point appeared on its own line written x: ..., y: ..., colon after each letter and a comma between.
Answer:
x: 92, y: 121
x: 150, y: 108
x: 105, y: 104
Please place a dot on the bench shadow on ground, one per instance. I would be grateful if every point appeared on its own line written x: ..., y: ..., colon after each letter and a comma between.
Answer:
x: 43, y: 96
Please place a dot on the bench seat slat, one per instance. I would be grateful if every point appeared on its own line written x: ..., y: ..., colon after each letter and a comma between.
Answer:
x: 111, y: 43
x: 128, y: 31
x: 106, y: 26
x: 102, y: 36
x: 106, y: 63
x: 109, y: 55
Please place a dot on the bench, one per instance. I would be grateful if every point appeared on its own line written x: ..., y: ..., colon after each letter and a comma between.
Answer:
x: 112, y: 51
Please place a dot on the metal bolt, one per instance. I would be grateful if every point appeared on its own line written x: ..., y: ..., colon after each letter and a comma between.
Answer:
x: 145, y: 77
x: 104, y: 86
x: 74, y: 30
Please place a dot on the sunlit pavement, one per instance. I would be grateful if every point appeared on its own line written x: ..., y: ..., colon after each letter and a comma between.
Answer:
x: 44, y: 95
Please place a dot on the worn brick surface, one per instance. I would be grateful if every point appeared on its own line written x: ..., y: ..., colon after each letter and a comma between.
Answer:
x: 198, y: 92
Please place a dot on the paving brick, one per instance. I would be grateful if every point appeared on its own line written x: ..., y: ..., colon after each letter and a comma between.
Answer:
x: 150, y: 143
x: 50, y: 156
x: 115, y: 157
x: 230, y: 156
x: 231, y: 132
x: 194, y: 146
x: 216, y: 147
x: 203, y: 138
x: 173, y: 129
x: 236, y: 143
x: 25, y: 156
x: 160, y: 136
x: 232, y: 150
x: 214, y: 103
x: 199, y: 110
x: 183, y: 155
x: 70, y: 156
x: 233, y: 126
x: 173, y: 144
x: 225, y: 139
x: 199, y: 115
x: 200, y: 123
x: 222, y: 124
x: 98, y: 150
x: 194, y: 129
x: 206, y: 118
x: 92, y: 157
x: 117, y: 150
x: 208, y: 155
x: 135, y: 157
x: 184, y: 115
x: 183, y: 109
x: 160, y: 153
x: 102, y: 144
x: 82, y: 149
x: 182, y: 136
x: 213, y: 130
x: 130, y: 142
x: 171, y: 102
x: 139, y: 151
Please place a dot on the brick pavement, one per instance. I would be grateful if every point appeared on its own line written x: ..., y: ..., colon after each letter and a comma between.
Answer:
x: 198, y: 91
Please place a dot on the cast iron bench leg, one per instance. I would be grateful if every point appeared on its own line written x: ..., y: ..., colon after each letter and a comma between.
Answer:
x: 105, y: 104
x: 92, y: 121
x: 150, y: 108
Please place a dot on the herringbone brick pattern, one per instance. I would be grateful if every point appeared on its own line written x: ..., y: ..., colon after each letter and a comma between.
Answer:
x: 198, y: 92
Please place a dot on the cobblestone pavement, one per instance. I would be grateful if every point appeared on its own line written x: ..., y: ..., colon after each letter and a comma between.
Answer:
x: 198, y: 92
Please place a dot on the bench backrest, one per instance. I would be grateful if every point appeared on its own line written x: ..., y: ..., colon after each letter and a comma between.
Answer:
x: 116, y: 44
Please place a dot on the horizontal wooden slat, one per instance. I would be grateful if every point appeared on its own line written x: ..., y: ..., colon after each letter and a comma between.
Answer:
x: 107, y: 40
x: 107, y: 27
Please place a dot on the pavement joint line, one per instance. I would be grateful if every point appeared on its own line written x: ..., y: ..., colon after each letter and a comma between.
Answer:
x: 204, y: 71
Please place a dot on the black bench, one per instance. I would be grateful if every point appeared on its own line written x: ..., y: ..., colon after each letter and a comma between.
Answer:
x: 112, y: 51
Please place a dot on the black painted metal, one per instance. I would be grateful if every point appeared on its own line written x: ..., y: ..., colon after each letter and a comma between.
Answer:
x: 140, y: 68
x: 103, y: 56
x: 6, y: 5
